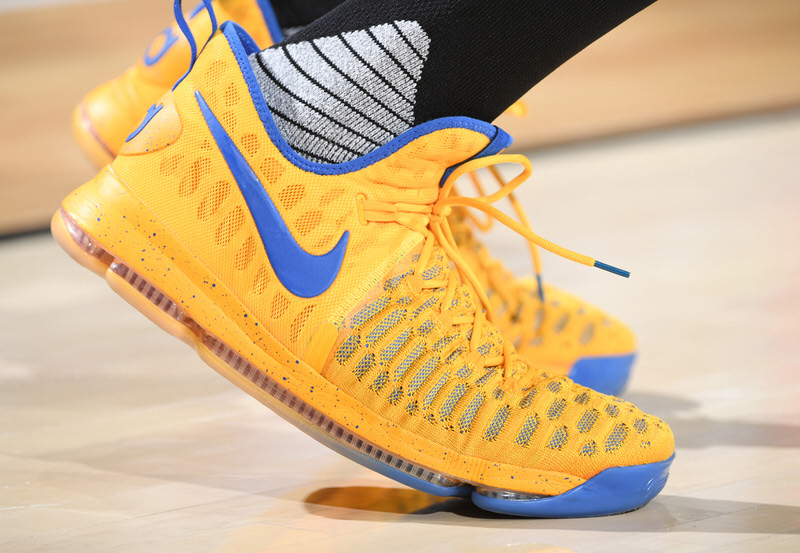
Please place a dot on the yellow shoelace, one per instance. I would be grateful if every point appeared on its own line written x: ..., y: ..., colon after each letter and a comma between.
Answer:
x: 486, y: 225
x: 431, y: 220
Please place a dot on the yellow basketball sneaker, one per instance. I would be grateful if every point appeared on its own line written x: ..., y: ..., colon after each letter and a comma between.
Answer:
x: 335, y: 295
x: 550, y: 328
x: 108, y: 113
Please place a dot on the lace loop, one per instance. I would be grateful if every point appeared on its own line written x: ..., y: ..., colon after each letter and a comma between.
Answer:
x: 486, y: 225
x: 183, y: 25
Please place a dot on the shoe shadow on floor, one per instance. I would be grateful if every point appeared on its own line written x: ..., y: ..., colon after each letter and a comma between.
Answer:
x: 696, y: 431
x: 664, y: 514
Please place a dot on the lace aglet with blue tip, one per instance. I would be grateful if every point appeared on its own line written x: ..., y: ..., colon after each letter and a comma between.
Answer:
x: 612, y: 269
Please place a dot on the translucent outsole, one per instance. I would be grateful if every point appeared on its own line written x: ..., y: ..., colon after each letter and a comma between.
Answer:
x: 589, y: 499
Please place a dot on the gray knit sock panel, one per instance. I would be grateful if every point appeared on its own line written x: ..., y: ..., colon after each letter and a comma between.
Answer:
x: 340, y: 97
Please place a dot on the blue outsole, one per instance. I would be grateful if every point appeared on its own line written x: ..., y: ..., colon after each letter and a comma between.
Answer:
x: 615, y: 490
x: 607, y: 374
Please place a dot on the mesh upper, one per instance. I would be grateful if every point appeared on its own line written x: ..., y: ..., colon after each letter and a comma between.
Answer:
x: 400, y: 355
x: 397, y: 351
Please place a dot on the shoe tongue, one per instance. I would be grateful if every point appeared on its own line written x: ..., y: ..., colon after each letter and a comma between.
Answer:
x: 410, y: 168
x: 499, y: 140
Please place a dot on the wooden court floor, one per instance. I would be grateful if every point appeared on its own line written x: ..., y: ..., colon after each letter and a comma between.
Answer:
x: 114, y: 437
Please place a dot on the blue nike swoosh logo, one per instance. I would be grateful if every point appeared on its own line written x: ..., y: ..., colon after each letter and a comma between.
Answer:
x: 303, y: 274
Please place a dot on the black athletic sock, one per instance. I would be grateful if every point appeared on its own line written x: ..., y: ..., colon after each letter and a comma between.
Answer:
x: 367, y: 71
x: 293, y: 15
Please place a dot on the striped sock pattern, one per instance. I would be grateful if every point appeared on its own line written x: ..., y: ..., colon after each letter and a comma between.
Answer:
x: 337, y: 98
